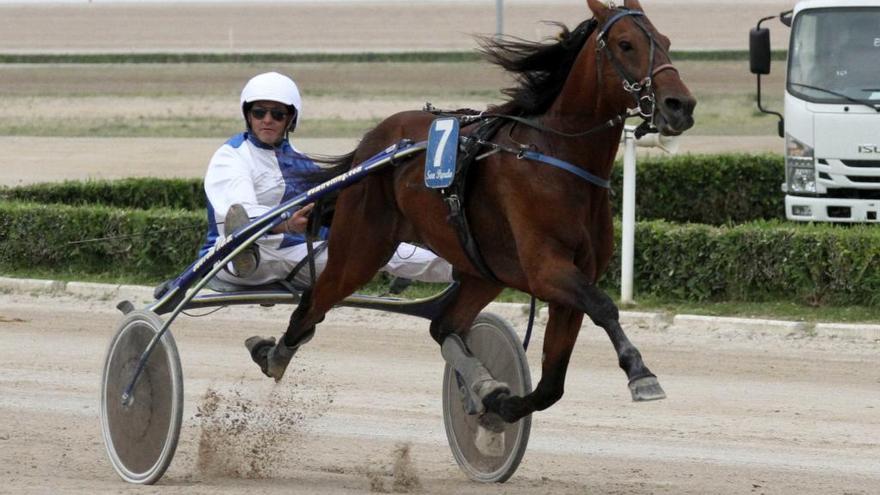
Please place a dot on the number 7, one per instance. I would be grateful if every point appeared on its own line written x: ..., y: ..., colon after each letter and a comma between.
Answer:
x: 445, y: 126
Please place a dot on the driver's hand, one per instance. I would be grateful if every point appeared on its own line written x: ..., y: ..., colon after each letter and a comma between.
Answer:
x: 300, y: 219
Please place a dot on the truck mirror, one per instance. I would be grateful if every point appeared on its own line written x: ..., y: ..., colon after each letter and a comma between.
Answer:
x: 759, y: 50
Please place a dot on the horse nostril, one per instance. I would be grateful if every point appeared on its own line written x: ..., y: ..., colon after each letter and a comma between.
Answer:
x: 679, y: 106
x: 673, y: 104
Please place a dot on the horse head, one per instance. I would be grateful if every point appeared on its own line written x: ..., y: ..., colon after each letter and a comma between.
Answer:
x: 633, y: 56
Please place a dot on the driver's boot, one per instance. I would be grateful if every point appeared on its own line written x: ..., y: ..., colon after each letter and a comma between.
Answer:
x: 244, y: 263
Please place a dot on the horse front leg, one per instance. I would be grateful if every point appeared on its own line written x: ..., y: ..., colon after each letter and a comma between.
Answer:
x: 561, y: 283
x: 570, y: 287
x: 643, y: 384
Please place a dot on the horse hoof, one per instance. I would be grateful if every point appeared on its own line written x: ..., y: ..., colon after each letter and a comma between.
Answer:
x: 489, y: 439
x: 646, y: 388
x: 278, y: 358
x: 259, y: 348
x: 493, y: 398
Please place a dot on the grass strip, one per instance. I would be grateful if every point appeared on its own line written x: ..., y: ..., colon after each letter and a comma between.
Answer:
x: 773, y: 310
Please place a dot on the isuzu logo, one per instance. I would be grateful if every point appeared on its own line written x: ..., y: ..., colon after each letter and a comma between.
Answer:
x: 869, y: 148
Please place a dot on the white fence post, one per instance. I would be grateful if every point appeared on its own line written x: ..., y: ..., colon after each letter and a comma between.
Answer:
x: 499, y: 18
x: 668, y: 144
x: 629, y: 215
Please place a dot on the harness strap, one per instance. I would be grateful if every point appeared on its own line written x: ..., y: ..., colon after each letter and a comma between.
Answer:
x: 541, y: 157
x: 528, y: 336
x: 313, y: 252
x: 471, y: 147
x: 568, y: 167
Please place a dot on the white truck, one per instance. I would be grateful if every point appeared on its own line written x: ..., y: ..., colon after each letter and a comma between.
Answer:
x: 831, y: 124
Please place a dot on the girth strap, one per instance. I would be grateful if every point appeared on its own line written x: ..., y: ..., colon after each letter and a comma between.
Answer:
x: 455, y: 196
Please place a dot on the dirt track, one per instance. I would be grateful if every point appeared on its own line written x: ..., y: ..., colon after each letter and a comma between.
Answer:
x: 746, y: 413
x: 346, y: 26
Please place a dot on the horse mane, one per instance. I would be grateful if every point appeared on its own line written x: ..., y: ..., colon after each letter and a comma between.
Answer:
x: 540, y: 68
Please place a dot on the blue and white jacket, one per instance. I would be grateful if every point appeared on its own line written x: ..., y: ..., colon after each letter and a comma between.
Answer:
x: 258, y: 177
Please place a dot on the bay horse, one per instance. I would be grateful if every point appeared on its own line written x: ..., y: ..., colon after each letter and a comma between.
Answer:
x: 539, y: 228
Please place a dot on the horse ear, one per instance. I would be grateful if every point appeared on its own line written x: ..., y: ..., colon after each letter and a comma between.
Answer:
x: 599, y: 8
x: 633, y: 5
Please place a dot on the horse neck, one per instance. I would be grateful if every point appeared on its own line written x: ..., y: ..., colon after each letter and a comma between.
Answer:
x: 585, y: 101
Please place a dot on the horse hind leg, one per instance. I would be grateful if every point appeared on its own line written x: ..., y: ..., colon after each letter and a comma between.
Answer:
x: 478, y: 387
x: 361, y: 242
x: 274, y: 357
x: 560, y: 336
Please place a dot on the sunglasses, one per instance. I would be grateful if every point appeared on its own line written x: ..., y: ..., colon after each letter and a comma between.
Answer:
x: 276, y: 113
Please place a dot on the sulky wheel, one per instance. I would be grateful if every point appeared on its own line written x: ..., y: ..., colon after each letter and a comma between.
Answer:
x: 491, y: 340
x: 141, y: 437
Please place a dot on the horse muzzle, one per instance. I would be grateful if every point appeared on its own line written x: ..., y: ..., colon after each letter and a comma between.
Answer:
x: 674, y: 114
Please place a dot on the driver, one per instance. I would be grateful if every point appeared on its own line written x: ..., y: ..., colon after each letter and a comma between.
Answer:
x: 257, y: 170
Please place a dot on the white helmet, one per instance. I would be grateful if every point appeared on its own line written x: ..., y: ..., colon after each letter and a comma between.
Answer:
x: 272, y: 86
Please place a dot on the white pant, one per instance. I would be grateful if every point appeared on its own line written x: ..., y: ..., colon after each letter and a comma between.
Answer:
x: 408, y: 261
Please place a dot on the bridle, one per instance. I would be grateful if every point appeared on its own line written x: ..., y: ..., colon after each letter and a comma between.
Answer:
x: 641, y: 90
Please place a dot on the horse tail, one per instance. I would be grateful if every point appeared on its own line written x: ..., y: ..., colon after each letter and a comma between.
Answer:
x: 329, y: 166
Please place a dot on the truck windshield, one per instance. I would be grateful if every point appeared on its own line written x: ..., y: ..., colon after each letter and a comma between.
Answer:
x: 836, y: 50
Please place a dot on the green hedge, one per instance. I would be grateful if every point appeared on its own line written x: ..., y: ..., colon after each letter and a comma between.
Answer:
x: 759, y: 261
x: 710, y: 189
x: 146, y: 244
x: 142, y: 193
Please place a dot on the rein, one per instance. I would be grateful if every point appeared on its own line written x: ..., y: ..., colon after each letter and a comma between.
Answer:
x: 534, y: 124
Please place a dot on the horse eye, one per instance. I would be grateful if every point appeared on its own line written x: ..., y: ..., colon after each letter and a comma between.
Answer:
x: 625, y: 46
